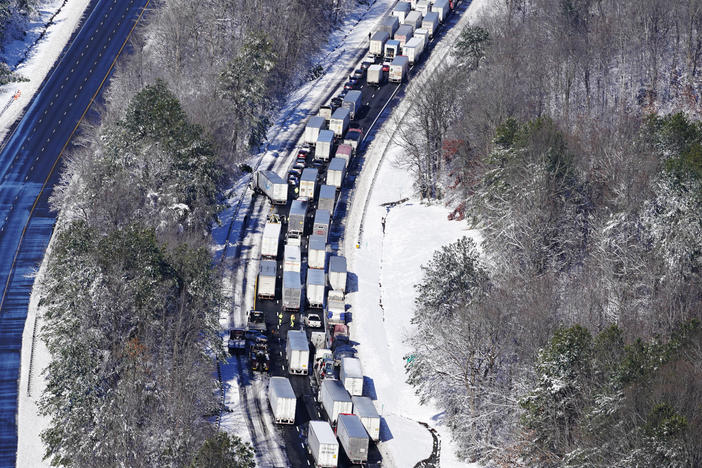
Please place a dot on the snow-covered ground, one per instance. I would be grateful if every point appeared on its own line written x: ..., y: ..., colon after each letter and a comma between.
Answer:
x: 62, y: 18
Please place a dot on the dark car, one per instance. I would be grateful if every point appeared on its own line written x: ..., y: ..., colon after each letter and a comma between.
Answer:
x: 237, y: 340
x: 366, y: 64
x: 336, y: 102
x: 359, y: 74
x: 351, y: 84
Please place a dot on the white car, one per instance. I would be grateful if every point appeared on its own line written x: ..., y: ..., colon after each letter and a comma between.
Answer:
x: 312, y: 320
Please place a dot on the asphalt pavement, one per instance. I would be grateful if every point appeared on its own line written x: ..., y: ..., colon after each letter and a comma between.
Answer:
x: 30, y: 164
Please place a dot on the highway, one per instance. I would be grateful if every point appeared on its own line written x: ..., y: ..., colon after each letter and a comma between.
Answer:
x: 29, y: 169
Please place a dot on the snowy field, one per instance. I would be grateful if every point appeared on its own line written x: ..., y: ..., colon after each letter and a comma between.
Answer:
x: 36, y: 54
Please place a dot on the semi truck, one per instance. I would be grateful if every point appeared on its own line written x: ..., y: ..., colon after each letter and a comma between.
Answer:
x: 364, y: 408
x: 314, y: 125
x: 336, y: 307
x: 423, y: 7
x: 292, y: 290
x: 401, y: 10
x: 403, y: 34
x: 327, y: 196
x: 374, y: 75
x: 431, y: 22
x: 352, y: 102
x: 353, y: 138
x: 321, y: 222
x: 392, y: 49
x: 272, y: 185
x: 335, y: 399
x: 353, y: 438
x: 322, y: 444
x: 441, y: 7
x: 413, y: 49
x: 324, y: 144
x: 308, y: 181
x: 298, y: 352
x: 325, y: 112
x: 317, y: 252
x: 340, y: 121
x: 315, y: 287
x: 351, y: 376
x: 414, y: 19
x: 377, y: 43
x: 282, y: 400
x: 292, y: 258
x: 423, y: 33
x: 344, y: 151
x: 271, y: 238
x: 398, y: 69
x: 296, y: 218
x: 389, y: 24
x: 337, y: 273
x: 336, y: 172
x: 266, y: 279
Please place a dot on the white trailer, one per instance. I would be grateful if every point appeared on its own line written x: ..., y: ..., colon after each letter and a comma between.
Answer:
x: 314, y: 125
x: 292, y: 258
x: 322, y: 444
x: 325, y: 112
x: 296, y: 219
x: 335, y: 399
x: 340, y: 121
x: 321, y: 222
x: 266, y: 279
x: 282, y: 398
x: 374, y: 75
x: 441, y: 7
x: 398, y: 69
x: 423, y: 7
x: 351, y: 375
x: 336, y: 309
x: 389, y: 24
x: 352, y: 101
x: 431, y: 22
x: 413, y: 49
x: 414, y: 19
x: 271, y: 238
x: 327, y: 197
x: 324, y: 144
x: 272, y: 185
x: 364, y: 408
x: 344, y: 151
x: 377, y: 42
x: 403, y: 34
x: 315, y: 287
x: 392, y: 49
x: 292, y: 290
x: 336, y: 172
x: 298, y: 352
x: 401, y: 10
x: 308, y: 181
x: 317, y: 252
x: 423, y: 33
x: 353, y: 438
x: 337, y: 273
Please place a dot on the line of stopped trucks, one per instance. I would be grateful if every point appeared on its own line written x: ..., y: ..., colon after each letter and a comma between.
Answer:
x: 313, y: 182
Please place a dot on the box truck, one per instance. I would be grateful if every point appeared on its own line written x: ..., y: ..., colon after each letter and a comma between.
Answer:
x: 337, y: 273
x: 314, y: 125
x: 271, y: 238
x: 392, y: 49
x: 351, y: 375
x: 401, y: 10
x: 327, y: 197
x: 324, y: 144
x: 414, y: 19
x: 398, y: 69
x: 292, y: 259
x: 282, y: 400
x: 413, y: 49
x: 272, y: 185
x: 317, y: 252
x: 335, y: 399
x: 431, y: 22
x: 296, y: 218
x: 339, y: 121
x: 266, y: 279
x: 298, y: 352
x: 377, y: 42
x: 322, y: 444
x: 403, y: 34
x: 374, y: 75
x: 322, y: 219
x: 352, y: 102
x: 364, y: 408
x: 292, y: 290
x: 336, y: 172
x: 315, y: 287
x: 353, y: 438
x: 389, y: 24
x: 308, y: 180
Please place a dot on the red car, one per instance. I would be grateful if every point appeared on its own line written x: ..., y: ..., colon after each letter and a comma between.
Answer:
x: 386, y: 67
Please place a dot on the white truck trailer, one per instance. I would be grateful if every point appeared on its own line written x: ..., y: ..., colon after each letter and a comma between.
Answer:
x: 325, y: 112
x: 441, y: 7
x: 352, y: 101
x: 392, y: 49
x: 292, y: 258
x: 325, y: 141
x: 431, y: 22
x: 322, y: 218
x: 398, y: 69
x: 298, y: 352
x: 322, y: 444
x: 281, y: 397
x: 292, y: 290
x: 335, y: 399
x: 317, y: 252
x: 351, y: 375
x: 413, y: 49
x: 336, y: 172
x: 414, y: 19
x: 401, y: 10
x: 271, y: 238
x: 423, y: 7
x: 364, y: 408
x: 272, y: 185
x: 336, y: 307
x: 340, y: 121
x: 403, y: 34
x: 314, y: 125
x: 308, y: 182
x: 266, y: 279
x: 344, y: 151
x: 327, y: 197
x: 337, y: 273
x: 374, y: 75
x: 377, y: 42
x: 389, y: 24
x: 296, y: 218
x: 353, y: 438
x: 315, y: 287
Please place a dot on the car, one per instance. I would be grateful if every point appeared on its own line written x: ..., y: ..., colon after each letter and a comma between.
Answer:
x: 324, y: 368
x: 300, y: 160
x: 299, y: 165
x: 295, y: 171
x: 237, y: 340
x: 293, y: 180
x: 312, y: 320
x: 252, y: 335
x: 351, y: 84
x: 366, y: 64
x: 359, y: 74
x: 336, y: 102
x: 342, y: 93
x: 302, y: 154
x: 317, y: 163
x: 386, y: 66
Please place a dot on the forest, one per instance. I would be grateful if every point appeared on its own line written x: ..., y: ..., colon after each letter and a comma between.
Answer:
x: 572, y: 335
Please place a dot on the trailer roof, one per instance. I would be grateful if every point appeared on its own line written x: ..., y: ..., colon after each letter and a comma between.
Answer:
x: 326, y: 136
x: 353, y: 95
x: 391, y: 43
x: 345, y: 148
x: 336, y: 390
x: 364, y: 407
x: 337, y: 263
x: 282, y: 388
x: 432, y: 16
x: 413, y: 15
x: 390, y: 21
x: 298, y: 340
x: 341, y: 113
x: 315, y: 276
x: 324, y: 432
x: 291, y: 279
x: 414, y: 42
x: 400, y: 60
x: 380, y: 36
x: 316, y: 122
x: 322, y: 216
x: 317, y: 242
x: 328, y: 191
x: 273, y: 177
x: 271, y: 229
x: 269, y: 267
x: 404, y: 30
x: 309, y: 174
x: 292, y: 252
x: 336, y: 164
x: 402, y: 6
x: 352, y: 367
x: 354, y: 426
x: 298, y: 207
